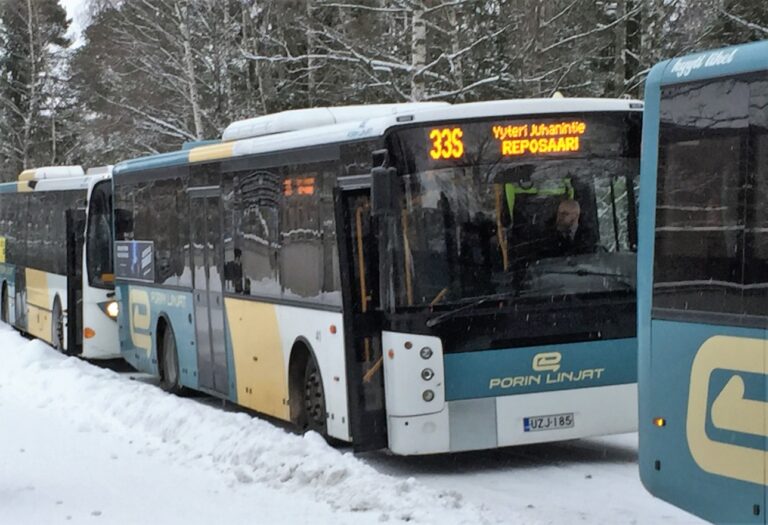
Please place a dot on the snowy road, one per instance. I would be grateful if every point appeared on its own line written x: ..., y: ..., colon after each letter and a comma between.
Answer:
x: 81, y: 444
x: 591, y: 481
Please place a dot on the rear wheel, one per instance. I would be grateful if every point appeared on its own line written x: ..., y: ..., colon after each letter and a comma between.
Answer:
x: 169, y: 363
x: 57, y: 326
x: 314, y: 400
x: 4, y: 307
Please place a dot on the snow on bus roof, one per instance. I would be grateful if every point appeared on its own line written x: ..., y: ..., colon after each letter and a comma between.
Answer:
x: 378, y: 126
x: 298, y: 119
x: 357, y: 123
x: 51, y: 172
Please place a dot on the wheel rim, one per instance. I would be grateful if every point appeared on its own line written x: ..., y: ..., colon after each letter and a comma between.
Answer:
x: 314, y: 398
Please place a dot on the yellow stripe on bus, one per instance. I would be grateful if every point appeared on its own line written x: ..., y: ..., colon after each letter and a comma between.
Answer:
x: 27, y: 175
x: 260, y: 369
x: 214, y: 152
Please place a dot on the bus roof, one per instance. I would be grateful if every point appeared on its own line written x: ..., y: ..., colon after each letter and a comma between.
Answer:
x: 728, y: 61
x: 57, y: 178
x: 51, y: 172
x: 354, y: 127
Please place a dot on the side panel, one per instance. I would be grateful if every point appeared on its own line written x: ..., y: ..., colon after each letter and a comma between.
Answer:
x: 261, y: 367
x: 709, y: 385
x: 41, y: 290
x: 263, y: 335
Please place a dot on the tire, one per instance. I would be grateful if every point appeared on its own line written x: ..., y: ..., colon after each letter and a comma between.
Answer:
x: 4, y: 305
x: 314, y: 415
x: 57, y: 327
x: 169, y: 363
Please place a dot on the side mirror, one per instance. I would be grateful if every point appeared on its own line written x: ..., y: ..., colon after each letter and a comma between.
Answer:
x: 383, y: 190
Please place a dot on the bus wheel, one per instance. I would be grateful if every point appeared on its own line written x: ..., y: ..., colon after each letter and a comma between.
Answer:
x: 169, y: 362
x: 314, y: 399
x: 4, y: 306
x: 57, y: 326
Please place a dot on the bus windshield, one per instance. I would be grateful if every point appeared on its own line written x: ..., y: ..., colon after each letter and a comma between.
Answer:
x: 498, y: 219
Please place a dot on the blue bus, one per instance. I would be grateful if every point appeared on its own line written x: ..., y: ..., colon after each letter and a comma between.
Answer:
x: 425, y: 278
x: 703, y: 283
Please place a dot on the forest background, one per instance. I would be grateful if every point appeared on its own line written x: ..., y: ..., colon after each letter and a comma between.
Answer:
x: 147, y: 75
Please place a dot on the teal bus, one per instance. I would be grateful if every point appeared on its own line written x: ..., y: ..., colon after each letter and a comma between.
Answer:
x: 423, y: 278
x: 703, y: 284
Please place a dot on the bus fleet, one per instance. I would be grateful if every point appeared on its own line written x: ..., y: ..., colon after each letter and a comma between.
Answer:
x: 424, y: 278
x: 435, y: 278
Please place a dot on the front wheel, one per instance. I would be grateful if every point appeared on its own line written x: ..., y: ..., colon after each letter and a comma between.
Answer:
x: 315, y: 416
x: 169, y: 363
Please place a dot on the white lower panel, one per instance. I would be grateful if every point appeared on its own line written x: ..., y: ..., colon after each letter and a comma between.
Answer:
x: 597, y: 411
x: 419, y: 434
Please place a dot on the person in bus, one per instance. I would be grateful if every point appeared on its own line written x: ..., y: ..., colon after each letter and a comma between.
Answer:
x: 233, y: 272
x: 567, y: 236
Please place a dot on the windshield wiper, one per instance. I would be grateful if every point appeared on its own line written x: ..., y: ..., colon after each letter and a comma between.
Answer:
x: 480, y: 301
x: 584, y: 271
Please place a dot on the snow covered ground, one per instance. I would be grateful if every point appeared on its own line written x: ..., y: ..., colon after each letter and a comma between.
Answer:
x: 83, y: 444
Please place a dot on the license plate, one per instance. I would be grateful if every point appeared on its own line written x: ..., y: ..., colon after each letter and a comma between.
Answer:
x: 553, y: 422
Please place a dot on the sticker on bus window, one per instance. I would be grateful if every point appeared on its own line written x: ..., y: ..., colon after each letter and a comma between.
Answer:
x: 135, y: 260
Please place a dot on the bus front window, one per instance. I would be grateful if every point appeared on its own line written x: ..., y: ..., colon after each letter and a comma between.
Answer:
x: 491, y: 226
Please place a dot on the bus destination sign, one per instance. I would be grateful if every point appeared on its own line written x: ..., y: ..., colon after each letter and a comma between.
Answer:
x: 513, y: 140
x: 540, y: 138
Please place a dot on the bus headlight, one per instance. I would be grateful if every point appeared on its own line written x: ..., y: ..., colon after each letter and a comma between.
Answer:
x: 426, y: 352
x: 111, y: 308
x: 428, y: 395
x: 427, y: 374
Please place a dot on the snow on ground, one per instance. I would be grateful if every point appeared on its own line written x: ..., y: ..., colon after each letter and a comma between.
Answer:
x: 79, y: 442
x: 82, y: 444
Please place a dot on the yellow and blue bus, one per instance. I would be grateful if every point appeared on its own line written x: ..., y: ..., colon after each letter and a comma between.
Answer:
x: 419, y: 277
x: 56, y: 277
x: 703, y: 283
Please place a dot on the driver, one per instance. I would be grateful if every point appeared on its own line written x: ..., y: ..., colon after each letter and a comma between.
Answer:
x: 567, y: 236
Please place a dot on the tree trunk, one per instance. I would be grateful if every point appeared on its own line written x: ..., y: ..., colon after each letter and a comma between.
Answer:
x: 189, y: 69
x: 31, y: 113
x: 418, y: 53
x: 620, y: 45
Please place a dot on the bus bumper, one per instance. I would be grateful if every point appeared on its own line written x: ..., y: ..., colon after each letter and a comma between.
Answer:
x: 476, y: 424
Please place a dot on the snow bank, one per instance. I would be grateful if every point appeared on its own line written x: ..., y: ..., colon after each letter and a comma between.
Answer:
x: 244, y: 449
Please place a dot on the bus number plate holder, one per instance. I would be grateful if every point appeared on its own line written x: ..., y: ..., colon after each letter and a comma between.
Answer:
x: 551, y: 422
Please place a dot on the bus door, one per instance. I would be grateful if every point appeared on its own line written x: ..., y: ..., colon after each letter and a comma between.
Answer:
x: 207, y: 277
x: 364, y: 364
x: 75, y: 227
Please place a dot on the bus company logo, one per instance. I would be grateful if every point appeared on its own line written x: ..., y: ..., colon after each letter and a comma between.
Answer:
x: 547, y: 362
x: 731, y: 412
x: 685, y: 66
x: 546, y: 367
x: 140, y: 319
